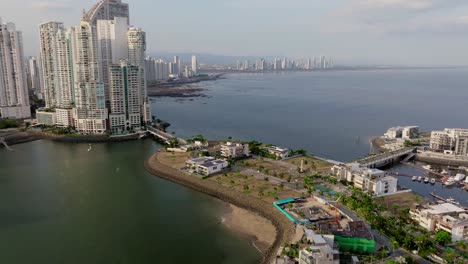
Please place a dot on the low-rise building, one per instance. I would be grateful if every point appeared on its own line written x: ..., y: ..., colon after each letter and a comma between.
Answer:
x: 446, y: 216
x: 372, y: 181
x: 47, y: 118
x: 320, y: 252
x: 64, y: 117
x: 450, y: 141
x: 234, y: 150
x: 280, y: 153
x: 406, y: 132
x: 206, y: 165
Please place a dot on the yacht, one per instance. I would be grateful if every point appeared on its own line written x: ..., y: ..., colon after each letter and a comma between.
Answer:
x: 414, y: 178
x: 450, y: 181
x: 459, y: 177
x: 433, y: 181
x: 90, y: 147
x: 426, y: 180
x: 419, y: 178
x: 444, y: 172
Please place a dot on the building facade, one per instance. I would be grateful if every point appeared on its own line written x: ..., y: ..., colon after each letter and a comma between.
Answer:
x: 34, y: 77
x: 450, y: 140
x: 126, y: 82
x: 14, y: 99
x: 56, y: 65
x: 234, y: 150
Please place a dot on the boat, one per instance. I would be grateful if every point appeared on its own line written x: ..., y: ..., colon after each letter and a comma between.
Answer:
x: 433, y: 181
x: 419, y: 178
x: 414, y: 178
x: 90, y: 147
x: 426, y: 180
x: 452, y: 201
x: 444, y: 172
x: 450, y: 181
x: 427, y: 167
x: 459, y: 177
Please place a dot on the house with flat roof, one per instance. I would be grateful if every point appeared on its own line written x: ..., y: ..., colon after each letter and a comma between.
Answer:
x: 206, y: 165
x: 321, y: 251
x: 280, y: 153
x: 235, y: 150
x: 446, y: 216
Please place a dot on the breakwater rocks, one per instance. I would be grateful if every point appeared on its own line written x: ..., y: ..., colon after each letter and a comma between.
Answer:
x: 284, y: 228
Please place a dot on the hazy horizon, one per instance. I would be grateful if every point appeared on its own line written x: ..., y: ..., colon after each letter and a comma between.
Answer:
x: 389, y: 32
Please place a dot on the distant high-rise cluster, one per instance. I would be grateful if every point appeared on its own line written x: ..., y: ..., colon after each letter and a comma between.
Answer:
x: 284, y: 64
x: 159, y: 70
x: 93, y: 74
x: 14, y: 98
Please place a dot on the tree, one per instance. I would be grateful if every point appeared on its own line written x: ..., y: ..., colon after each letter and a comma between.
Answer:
x: 443, y: 237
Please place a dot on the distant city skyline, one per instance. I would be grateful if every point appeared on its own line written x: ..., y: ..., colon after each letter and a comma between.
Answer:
x: 418, y: 32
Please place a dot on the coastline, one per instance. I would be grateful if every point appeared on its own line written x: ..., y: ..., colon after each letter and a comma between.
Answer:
x: 24, y: 137
x: 252, y: 226
x: 284, y: 228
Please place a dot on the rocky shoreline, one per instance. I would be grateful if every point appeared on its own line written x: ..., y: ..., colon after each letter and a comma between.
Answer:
x: 284, y: 228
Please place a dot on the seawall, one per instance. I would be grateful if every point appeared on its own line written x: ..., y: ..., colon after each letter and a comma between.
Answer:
x: 284, y: 228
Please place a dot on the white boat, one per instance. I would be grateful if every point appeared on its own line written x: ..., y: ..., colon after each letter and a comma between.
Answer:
x: 453, y: 201
x: 459, y: 177
x: 426, y: 180
x: 414, y: 178
x: 419, y: 178
x: 433, y: 181
x: 90, y: 147
x: 444, y: 172
x: 450, y: 181
x: 427, y: 167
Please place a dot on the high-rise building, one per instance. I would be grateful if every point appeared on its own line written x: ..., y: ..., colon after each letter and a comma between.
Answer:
x: 126, y: 83
x: 194, y: 65
x: 55, y: 52
x: 90, y: 113
x: 136, y: 57
x: 34, y: 77
x: 14, y: 99
x: 111, y: 46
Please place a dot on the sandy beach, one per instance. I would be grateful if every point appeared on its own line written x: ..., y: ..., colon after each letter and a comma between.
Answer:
x: 259, y: 230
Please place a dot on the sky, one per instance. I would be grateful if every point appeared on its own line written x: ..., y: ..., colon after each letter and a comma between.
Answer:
x: 397, y: 32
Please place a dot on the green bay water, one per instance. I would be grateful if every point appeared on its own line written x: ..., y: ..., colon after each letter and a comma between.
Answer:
x: 60, y: 203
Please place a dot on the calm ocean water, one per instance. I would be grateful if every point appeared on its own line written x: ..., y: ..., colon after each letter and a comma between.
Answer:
x: 331, y: 114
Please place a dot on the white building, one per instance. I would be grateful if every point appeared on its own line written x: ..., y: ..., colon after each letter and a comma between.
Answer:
x: 64, y: 117
x: 372, y: 181
x: 206, y: 165
x: 446, y: 216
x: 234, y: 150
x: 450, y: 140
x: 46, y: 118
x: 406, y: 132
x: 194, y: 65
x: 14, y: 99
x: 126, y: 82
x: 320, y: 252
x: 280, y: 153
x: 57, y: 68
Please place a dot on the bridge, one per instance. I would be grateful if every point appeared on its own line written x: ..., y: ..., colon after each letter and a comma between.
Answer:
x: 386, y: 158
x: 165, y: 136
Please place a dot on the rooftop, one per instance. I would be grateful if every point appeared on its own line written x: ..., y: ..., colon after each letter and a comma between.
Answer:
x: 446, y: 208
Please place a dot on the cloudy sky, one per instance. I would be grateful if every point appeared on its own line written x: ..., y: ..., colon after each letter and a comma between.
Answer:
x: 405, y: 32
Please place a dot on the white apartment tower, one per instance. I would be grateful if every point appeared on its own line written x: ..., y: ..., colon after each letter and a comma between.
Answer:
x: 194, y: 65
x: 126, y: 82
x: 57, y: 68
x: 14, y: 99
x: 111, y: 45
